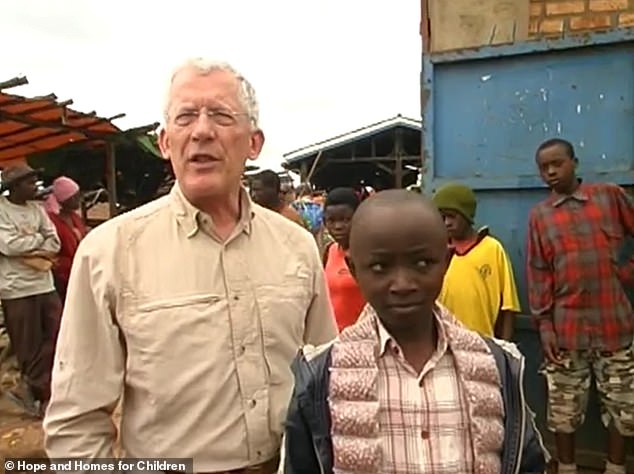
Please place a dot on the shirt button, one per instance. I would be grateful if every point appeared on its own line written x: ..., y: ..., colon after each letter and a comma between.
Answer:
x: 241, y: 350
x: 252, y: 403
x: 236, y: 297
x: 424, y: 434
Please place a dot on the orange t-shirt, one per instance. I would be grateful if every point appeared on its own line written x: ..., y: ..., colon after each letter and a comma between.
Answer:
x: 347, y: 300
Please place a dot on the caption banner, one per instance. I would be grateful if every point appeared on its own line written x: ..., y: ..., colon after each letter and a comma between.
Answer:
x: 127, y: 465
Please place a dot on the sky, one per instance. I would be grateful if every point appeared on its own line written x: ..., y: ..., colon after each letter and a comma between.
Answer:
x: 320, y: 68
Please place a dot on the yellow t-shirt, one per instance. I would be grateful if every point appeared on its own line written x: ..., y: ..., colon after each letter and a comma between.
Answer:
x: 480, y: 284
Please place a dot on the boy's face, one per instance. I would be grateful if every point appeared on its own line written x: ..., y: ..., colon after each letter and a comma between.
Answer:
x: 337, y: 219
x: 399, y: 261
x: 557, y: 168
x: 261, y: 194
x: 457, y: 226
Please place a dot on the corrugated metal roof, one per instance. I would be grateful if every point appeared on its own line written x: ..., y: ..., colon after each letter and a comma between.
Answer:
x: 335, y: 142
x: 30, y: 125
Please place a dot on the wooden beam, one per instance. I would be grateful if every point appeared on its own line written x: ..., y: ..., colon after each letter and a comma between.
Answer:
x: 142, y: 130
x: 43, y: 108
x: 26, y: 128
x: 368, y: 159
x: 33, y: 141
x: 58, y: 126
x: 28, y: 141
x: 387, y: 169
x: 15, y: 82
x: 111, y: 177
x: 398, y: 154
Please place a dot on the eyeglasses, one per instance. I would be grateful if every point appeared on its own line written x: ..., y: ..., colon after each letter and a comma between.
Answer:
x: 222, y: 117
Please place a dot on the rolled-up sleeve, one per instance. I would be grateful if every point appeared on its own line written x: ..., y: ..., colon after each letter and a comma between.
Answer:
x: 88, y: 371
x: 321, y: 326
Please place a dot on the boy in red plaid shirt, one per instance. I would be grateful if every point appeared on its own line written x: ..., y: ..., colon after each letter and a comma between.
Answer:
x: 576, y: 293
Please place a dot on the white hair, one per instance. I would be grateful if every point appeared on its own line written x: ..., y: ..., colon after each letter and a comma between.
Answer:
x: 204, y: 66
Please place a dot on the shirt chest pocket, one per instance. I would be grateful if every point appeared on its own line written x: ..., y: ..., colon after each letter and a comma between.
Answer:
x: 283, y: 308
x: 169, y: 336
x: 613, y: 239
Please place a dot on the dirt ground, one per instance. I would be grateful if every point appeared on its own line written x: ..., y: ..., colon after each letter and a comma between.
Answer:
x: 20, y: 435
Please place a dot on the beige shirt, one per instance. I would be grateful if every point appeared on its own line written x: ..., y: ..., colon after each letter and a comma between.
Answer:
x: 23, y: 229
x: 199, y: 334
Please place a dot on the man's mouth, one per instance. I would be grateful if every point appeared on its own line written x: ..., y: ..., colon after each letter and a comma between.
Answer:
x: 203, y: 158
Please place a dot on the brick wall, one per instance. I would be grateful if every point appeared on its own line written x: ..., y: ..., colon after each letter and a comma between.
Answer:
x: 554, y: 17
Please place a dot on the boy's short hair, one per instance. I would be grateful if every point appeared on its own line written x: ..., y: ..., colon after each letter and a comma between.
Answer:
x: 565, y: 144
x: 342, y: 197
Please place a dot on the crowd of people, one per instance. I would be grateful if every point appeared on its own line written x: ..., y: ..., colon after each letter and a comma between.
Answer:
x: 38, y: 241
x: 233, y: 330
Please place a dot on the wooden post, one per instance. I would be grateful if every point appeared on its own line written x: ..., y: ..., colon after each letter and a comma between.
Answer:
x: 303, y: 172
x: 84, y: 211
x: 398, y: 162
x: 111, y: 177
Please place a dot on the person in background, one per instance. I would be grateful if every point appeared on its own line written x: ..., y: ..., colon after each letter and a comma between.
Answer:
x: 577, y: 296
x: 266, y: 190
x: 62, y: 205
x: 31, y: 307
x: 479, y: 286
x: 347, y: 300
x: 408, y: 389
x: 288, y: 193
x: 312, y: 214
x: 190, y: 309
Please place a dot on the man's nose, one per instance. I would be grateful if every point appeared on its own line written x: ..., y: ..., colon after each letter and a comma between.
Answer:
x: 204, y: 128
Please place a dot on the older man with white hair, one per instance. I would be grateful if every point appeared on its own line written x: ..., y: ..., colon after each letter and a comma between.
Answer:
x: 192, y: 306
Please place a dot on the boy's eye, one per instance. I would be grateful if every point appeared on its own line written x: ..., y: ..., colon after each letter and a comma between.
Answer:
x: 377, y: 267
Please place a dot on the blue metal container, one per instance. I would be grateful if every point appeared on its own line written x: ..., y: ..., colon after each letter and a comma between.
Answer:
x: 486, y: 110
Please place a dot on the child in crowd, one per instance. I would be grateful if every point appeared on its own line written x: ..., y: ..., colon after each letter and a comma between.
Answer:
x: 407, y: 389
x: 479, y: 287
x: 347, y: 300
x: 577, y: 297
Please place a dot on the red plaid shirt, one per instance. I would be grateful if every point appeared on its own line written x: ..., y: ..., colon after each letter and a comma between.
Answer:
x: 574, y: 280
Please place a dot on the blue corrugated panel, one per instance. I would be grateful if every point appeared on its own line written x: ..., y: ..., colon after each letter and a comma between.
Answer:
x: 486, y: 110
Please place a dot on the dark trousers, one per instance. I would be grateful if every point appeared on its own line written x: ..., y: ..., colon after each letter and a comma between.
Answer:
x: 61, y: 286
x: 32, y: 324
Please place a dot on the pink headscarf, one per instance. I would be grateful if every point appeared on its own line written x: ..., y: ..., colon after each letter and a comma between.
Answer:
x: 63, y: 188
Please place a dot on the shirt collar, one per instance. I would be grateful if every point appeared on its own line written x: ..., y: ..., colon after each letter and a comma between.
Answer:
x: 387, y: 341
x: 580, y: 194
x: 191, y: 217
